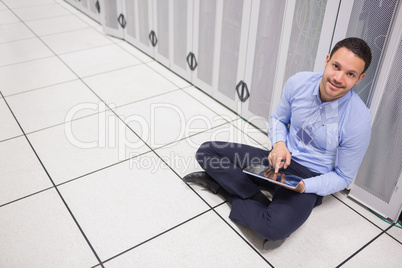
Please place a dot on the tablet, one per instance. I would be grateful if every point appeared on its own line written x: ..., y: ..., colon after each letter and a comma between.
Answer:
x: 268, y: 173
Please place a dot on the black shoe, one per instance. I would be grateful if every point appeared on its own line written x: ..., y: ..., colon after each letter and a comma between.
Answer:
x: 203, y: 179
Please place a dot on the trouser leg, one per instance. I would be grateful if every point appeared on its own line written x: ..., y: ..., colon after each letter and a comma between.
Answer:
x: 288, y: 209
x: 286, y: 213
x: 225, y: 163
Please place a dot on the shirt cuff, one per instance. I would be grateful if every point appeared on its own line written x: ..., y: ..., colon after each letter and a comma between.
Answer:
x: 309, y: 186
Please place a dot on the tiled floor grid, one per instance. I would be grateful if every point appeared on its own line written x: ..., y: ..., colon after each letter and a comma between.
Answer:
x: 95, y: 138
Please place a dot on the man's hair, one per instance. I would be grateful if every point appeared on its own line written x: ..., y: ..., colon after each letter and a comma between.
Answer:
x: 358, y: 46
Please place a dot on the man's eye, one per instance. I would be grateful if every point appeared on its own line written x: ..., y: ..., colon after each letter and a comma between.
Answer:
x: 335, y: 66
x: 351, y: 74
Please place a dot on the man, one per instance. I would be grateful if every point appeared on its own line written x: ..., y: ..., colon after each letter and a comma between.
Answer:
x: 320, y: 131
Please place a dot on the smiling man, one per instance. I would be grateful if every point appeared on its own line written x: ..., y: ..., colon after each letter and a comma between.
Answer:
x: 320, y: 131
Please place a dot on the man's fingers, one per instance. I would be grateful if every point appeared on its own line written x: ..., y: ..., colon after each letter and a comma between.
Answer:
x: 278, y: 164
x: 287, y: 163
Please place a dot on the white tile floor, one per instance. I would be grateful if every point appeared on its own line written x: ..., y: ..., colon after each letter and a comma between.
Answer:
x: 94, y: 141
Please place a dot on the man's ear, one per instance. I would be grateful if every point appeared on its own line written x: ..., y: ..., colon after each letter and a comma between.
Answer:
x: 360, y: 78
x: 327, y: 59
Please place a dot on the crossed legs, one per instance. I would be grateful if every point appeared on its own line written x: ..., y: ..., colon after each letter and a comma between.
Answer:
x: 288, y: 210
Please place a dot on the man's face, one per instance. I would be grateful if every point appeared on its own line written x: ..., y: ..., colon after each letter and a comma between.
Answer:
x: 342, y: 72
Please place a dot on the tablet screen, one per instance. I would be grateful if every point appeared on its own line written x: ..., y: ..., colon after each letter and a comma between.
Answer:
x: 268, y: 173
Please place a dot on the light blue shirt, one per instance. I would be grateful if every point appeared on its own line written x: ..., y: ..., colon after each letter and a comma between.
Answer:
x: 340, y: 132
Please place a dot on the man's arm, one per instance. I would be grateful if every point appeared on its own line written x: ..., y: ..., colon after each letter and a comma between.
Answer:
x: 278, y: 130
x: 349, y: 157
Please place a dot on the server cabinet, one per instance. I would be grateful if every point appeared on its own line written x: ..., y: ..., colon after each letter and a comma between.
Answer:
x: 144, y: 24
x: 285, y: 37
x: 161, y: 32
x: 217, y: 56
x: 371, y: 21
x: 113, y: 19
x: 89, y: 7
x: 204, y: 42
x: 231, y: 37
x: 139, y: 31
x: 378, y: 183
x: 182, y: 59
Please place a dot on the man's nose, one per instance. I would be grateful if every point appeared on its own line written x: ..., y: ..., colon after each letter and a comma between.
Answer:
x: 338, y: 77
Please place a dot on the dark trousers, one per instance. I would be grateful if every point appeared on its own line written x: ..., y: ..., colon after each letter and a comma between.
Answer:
x: 288, y: 210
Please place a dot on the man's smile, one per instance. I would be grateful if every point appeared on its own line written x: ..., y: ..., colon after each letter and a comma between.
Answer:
x: 334, y: 85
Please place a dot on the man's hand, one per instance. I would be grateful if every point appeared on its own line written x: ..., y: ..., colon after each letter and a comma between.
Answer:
x: 279, y: 152
x: 300, y: 188
x: 280, y: 177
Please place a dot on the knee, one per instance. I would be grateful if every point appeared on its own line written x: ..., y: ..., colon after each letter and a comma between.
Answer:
x: 201, y: 152
x: 278, y: 228
x: 275, y: 232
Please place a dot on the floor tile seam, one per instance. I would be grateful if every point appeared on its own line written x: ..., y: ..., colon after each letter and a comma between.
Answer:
x: 146, y: 98
x: 169, y: 70
x: 363, y: 247
x: 65, y: 122
x: 39, y: 5
x: 25, y: 39
x: 108, y: 109
x: 156, y: 236
x: 28, y: 6
x: 39, y: 88
x: 241, y: 237
x: 232, y: 122
x: 213, y: 100
x: 54, y: 186
x: 145, y: 62
x: 166, y: 78
x: 11, y: 138
x: 108, y: 71
x: 46, y: 35
x: 10, y: 23
x: 45, y: 18
x: 61, y: 32
x: 364, y: 217
x: 192, y: 135
x: 234, y: 112
x: 180, y: 178
x: 26, y: 61
x: 113, y: 110
x: 86, y: 49
x: 26, y: 196
x: 101, y: 169
x: 393, y: 237
x: 16, y: 40
x: 261, y: 130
